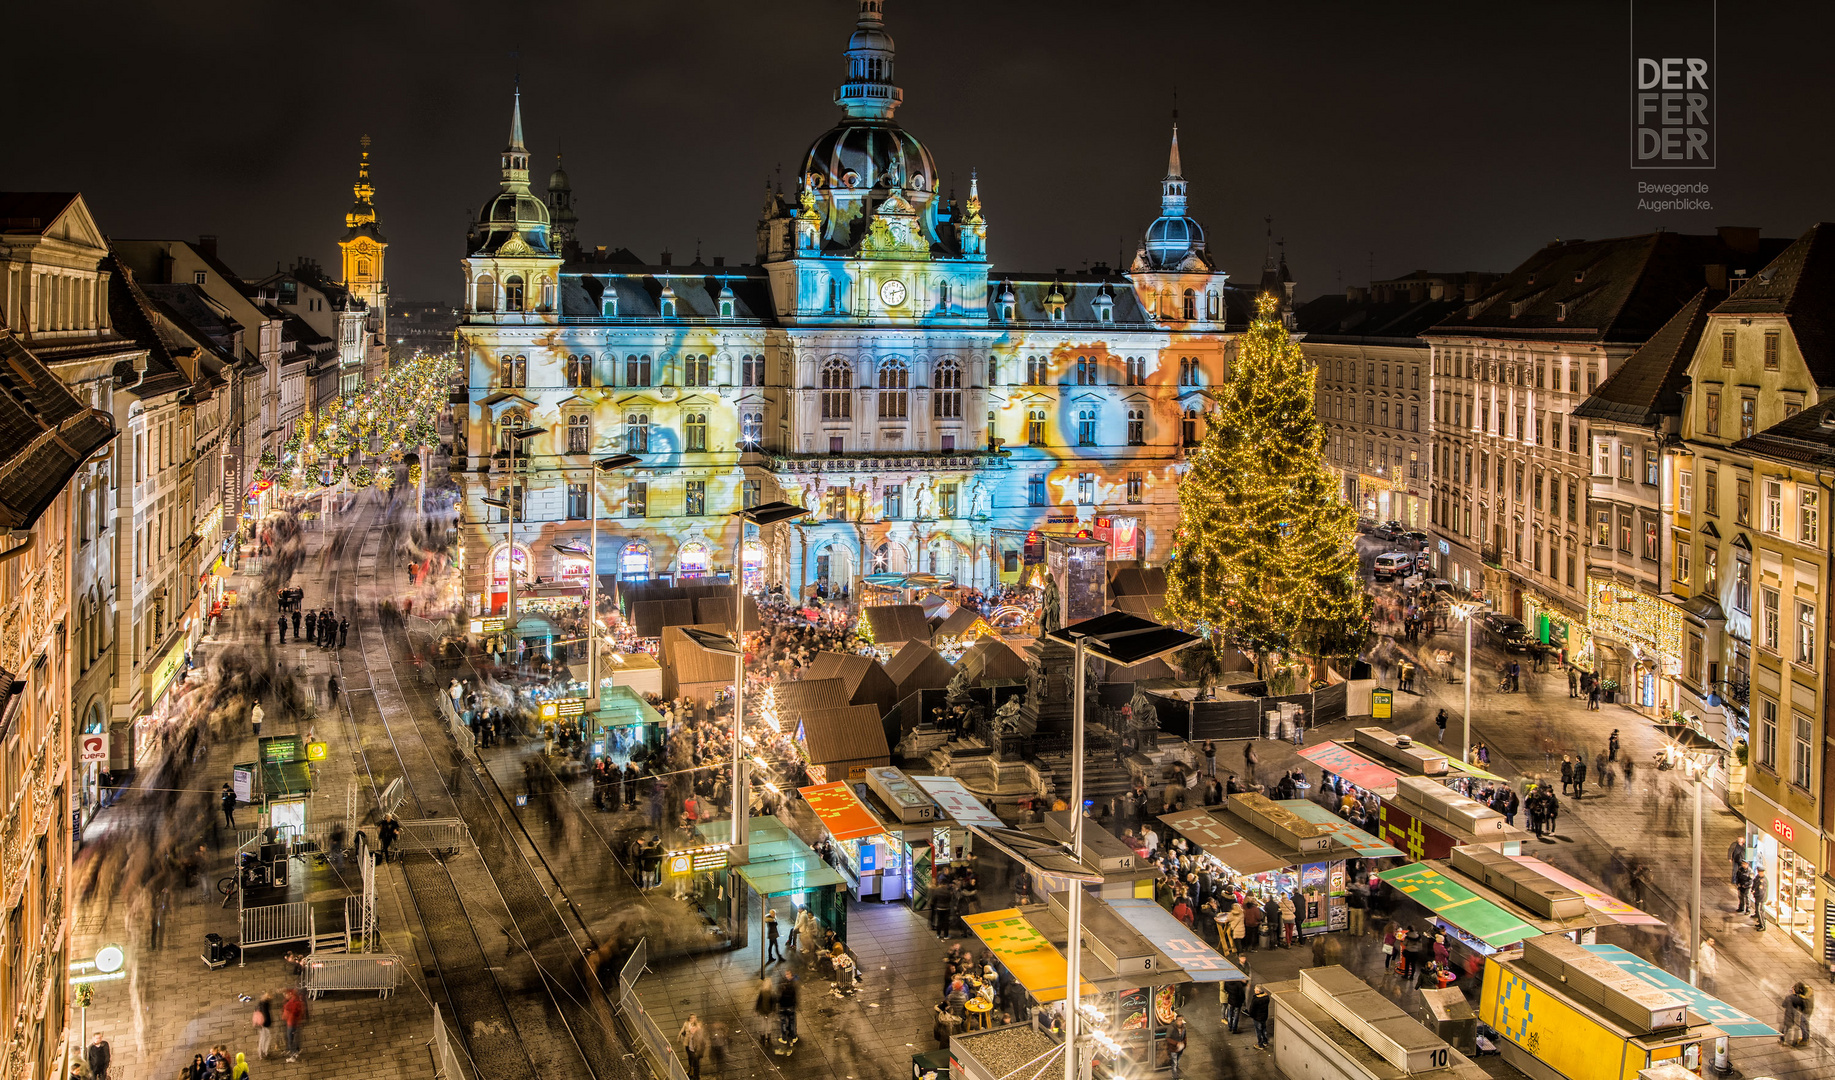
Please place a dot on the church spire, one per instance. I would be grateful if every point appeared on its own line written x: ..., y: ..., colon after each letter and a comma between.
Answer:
x: 516, y: 155
x: 868, y: 92
x: 363, y: 211
x: 1172, y: 187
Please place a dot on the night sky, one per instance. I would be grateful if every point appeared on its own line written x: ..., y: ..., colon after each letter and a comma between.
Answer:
x: 1444, y: 137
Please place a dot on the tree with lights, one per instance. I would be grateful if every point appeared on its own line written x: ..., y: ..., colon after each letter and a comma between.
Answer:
x: 1264, y: 557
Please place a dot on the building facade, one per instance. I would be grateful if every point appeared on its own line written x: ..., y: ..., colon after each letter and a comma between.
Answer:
x: 1374, y: 388
x: 1753, y: 551
x: 929, y: 410
x: 1514, y: 465
x: 46, y: 435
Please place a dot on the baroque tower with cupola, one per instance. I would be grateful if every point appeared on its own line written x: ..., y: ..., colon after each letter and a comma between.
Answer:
x: 363, y: 249
x: 871, y: 364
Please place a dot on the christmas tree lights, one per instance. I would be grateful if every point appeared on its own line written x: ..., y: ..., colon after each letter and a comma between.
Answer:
x: 1264, y: 555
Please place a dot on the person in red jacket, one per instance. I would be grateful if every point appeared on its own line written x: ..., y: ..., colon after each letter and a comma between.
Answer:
x: 294, y: 1013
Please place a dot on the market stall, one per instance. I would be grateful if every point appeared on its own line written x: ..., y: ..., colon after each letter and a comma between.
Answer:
x: 1278, y: 851
x: 872, y: 860
x: 779, y: 865
x: 1565, y: 1011
x: 1487, y: 901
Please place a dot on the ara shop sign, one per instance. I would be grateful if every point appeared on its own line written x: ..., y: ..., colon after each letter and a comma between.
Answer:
x: 92, y: 749
x: 1783, y: 829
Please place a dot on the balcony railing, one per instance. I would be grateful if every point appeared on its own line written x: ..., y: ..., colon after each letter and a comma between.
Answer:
x: 1492, y: 556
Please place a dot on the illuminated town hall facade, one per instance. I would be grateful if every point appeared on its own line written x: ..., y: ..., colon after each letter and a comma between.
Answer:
x: 874, y: 366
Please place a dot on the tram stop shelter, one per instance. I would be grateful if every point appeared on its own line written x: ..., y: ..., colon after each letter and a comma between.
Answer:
x: 778, y: 864
x: 623, y: 714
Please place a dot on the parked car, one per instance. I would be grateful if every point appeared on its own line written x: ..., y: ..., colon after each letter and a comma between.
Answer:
x: 1388, y: 533
x: 1506, y: 631
x: 1418, y: 539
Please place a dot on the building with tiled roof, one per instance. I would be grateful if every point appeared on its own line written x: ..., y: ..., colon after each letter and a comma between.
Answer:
x: 1512, y: 463
x: 873, y: 362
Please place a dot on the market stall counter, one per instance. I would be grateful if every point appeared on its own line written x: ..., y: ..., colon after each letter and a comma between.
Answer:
x: 1124, y: 872
x: 1278, y: 850
x: 1466, y: 900
x: 922, y: 840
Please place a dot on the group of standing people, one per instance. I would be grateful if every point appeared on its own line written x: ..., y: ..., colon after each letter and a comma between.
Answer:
x: 324, y: 627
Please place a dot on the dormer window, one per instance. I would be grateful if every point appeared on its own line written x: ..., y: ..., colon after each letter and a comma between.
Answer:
x: 512, y: 293
x: 1104, y: 306
x: 726, y: 309
x: 1006, y: 311
x: 608, y: 305
x: 667, y: 304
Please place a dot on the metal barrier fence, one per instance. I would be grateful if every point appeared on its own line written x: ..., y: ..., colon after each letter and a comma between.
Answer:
x: 273, y: 924
x: 461, y: 732
x: 445, y: 1061
x: 322, y: 973
x: 665, y: 1062
x: 434, y: 835
x: 393, y: 795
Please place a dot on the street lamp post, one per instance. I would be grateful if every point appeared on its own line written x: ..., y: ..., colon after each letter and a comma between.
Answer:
x: 1698, y: 753
x: 767, y: 514
x: 1121, y: 639
x: 1466, y: 613
x: 603, y: 465
x: 516, y: 435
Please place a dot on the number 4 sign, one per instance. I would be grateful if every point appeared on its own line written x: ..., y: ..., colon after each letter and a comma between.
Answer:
x: 92, y: 749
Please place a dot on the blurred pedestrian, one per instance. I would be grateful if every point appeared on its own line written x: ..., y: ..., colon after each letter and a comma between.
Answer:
x: 694, y: 1045
x: 98, y: 1055
x: 294, y: 1013
x: 228, y: 799
x: 264, y: 1024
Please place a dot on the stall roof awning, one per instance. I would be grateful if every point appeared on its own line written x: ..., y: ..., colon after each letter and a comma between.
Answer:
x: 1354, y: 767
x: 1225, y: 844
x: 1709, y: 1008
x: 1610, y: 906
x: 1366, y: 846
x: 958, y: 801
x: 1025, y: 952
x: 1179, y: 942
x: 621, y: 706
x: 778, y: 862
x: 840, y: 811
x: 1459, y: 905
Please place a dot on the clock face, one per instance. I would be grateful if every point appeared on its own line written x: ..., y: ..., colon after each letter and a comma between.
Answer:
x: 892, y: 292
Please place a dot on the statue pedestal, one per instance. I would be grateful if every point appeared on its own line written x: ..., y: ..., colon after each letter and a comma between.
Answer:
x: 1049, y: 707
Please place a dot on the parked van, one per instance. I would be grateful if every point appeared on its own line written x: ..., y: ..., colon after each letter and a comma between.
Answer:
x: 1393, y: 564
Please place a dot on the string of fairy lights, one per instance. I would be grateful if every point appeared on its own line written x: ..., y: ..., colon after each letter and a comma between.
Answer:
x: 386, y: 418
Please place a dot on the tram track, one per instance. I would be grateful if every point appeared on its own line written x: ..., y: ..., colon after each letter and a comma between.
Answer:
x: 537, y: 994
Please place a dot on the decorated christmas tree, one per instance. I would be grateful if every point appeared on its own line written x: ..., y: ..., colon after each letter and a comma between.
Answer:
x: 1264, y: 557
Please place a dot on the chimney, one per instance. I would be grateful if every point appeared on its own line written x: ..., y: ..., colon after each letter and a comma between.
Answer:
x: 666, y: 258
x: 1717, y: 276
x: 719, y: 260
x: 207, y: 243
x: 1469, y: 291
x: 1356, y: 294
x: 1741, y: 238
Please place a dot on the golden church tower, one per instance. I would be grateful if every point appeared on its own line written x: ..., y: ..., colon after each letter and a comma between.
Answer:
x: 363, y: 247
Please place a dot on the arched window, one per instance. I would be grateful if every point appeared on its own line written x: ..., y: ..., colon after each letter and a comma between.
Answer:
x: 726, y: 309
x: 993, y: 371
x: 637, y: 370
x: 1188, y: 371
x: 694, y: 427
x: 946, y: 402
x: 695, y: 370
x: 894, y: 390
x: 513, y: 420
x: 506, y: 371
x: 752, y: 370
x: 363, y: 268
x: 636, y: 433
x: 1086, y: 427
x: 1036, y: 369
x: 1086, y: 371
x: 837, y: 382
x: 1137, y: 427
x: 485, y: 294
x: 1035, y: 427
x: 1188, y: 427
x: 1137, y: 371
x: 751, y: 429
x: 1191, y: 305
x: 579, y: 433
x: 512, y: 293
x: 573, y: 372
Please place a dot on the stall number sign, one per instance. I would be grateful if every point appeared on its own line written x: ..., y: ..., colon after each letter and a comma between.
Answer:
x: 1382, y: 704
x: 317, y: 751
x: 1783, y: 829
x: 697, y: 860
x: 93, y: 749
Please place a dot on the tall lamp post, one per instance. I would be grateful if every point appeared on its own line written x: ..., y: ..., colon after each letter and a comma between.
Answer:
x: 1121, y: 639
x: 767, y: 514
x: 603, y: 465
x: 1467, y: 613
x: 1697, y: 752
